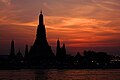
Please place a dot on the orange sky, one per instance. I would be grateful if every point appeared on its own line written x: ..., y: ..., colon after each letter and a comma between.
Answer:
x: 88, y: 24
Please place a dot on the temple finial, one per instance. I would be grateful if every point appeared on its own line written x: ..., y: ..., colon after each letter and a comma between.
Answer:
x: 41, y: 12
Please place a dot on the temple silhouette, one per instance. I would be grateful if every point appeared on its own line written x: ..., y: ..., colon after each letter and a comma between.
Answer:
x: 41, y: 55
x: 40, y: 52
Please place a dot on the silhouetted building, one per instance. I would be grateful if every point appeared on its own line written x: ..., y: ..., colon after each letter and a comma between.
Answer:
x: 19, y: 57
x: 60, y: 53
x: 58, y: 50
x: 12, y: 52
x: 4, y: 60
x: 41, y: 56
x: 26, y: 50
x: 40, y: 53
x: 12, y: 57
x: 63, y: 51
x: 78, y: 57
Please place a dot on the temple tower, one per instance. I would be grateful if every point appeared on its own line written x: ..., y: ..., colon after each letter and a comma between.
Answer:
x: 40, y: 52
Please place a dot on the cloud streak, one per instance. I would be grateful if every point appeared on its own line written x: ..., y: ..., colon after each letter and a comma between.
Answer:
x: 84, y: 23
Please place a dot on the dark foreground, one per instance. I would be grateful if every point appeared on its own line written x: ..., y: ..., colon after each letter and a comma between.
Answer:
x: 54, y: 74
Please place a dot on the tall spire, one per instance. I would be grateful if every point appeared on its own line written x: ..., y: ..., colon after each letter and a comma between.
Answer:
x: 12, y: 53
x: 40, y: 52
x: 63, y: 50
x: 41, y: 21
x: 41, y: 32
x: 58, y: 43
x: 58, y: 49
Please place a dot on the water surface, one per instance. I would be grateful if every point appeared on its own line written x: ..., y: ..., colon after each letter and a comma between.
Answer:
x: 54, y: 74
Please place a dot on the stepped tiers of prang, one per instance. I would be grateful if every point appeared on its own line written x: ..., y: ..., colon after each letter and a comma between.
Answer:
x: 40, y: 52
x: 41, y: 55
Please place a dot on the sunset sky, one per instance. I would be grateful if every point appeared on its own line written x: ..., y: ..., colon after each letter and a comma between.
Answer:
x: 80, y: 24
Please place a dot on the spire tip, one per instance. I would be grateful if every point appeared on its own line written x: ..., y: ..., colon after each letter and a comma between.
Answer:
x: 41, y: 11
